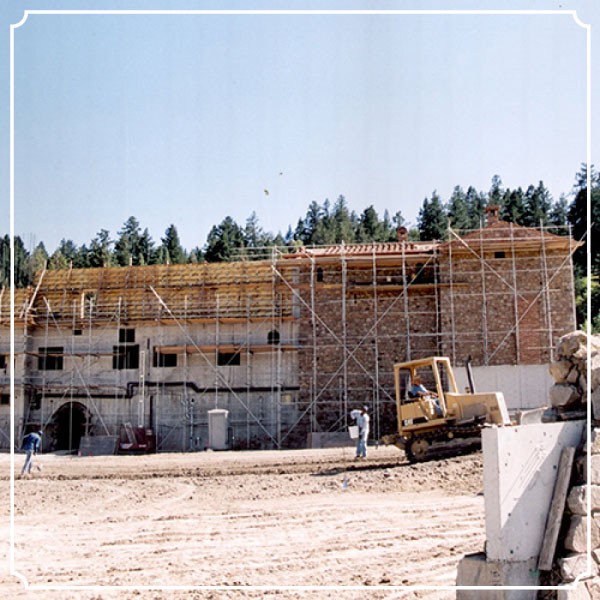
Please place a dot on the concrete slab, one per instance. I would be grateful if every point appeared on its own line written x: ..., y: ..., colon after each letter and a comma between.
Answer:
x: 523, y: 386
x: 519, y: 472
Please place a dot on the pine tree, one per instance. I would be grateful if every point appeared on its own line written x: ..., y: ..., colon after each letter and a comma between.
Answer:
x: 496, y: 193
x: 38, y: 261
x: 133, y: 247
x: 432, y: 221
x: 559, y: 215
x: 342, y: 222
x: 513, y: 206
x: 476, y: 204
x: 69, y: 251
x: 224, y: 241
x: 146, y: 251
x: 100, y: 254
x: 58, y: 261
x: 370, y: 228
x: 578, y: 218
x: 538, y: 203
x: 458, y: 210
x: 174, y: 252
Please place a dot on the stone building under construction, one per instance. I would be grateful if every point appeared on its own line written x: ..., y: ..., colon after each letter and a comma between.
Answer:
x: 283, y: 347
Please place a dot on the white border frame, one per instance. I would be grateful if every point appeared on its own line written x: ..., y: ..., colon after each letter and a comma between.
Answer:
x: 14, y: 27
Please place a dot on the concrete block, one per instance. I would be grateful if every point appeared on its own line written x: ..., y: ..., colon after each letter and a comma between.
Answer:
x: 523, y: 386
x: 475, y: 570
x: 574, y: 566
x: 519, y: 473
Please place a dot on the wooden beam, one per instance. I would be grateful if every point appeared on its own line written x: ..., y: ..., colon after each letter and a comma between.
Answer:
x: 557, y: 508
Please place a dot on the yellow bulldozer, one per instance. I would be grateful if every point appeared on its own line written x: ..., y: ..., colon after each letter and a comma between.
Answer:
x: 433, y: 413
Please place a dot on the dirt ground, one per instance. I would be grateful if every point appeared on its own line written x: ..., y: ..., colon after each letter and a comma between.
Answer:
x: 240, y: 525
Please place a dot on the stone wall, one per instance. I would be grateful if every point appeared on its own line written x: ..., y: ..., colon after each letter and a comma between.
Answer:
x: 504, y: 311
x: 346, y: 362
x: 573, y: 559
x: 574, y: 364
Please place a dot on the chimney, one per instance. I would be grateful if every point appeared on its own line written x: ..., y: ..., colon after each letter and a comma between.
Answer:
x: 402, y: 234
x: 492, y: 214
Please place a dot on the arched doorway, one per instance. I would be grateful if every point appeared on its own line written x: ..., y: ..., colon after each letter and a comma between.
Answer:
x: 69, y: 423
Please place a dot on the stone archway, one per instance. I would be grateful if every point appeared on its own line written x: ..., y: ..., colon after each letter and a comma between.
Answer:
x: 69, y: 423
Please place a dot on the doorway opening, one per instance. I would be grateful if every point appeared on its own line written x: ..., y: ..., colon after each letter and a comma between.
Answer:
x: 69, y: 424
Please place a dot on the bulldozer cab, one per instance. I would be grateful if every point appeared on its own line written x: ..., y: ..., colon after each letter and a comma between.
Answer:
x: 432, y: 411
x: 421, y: 388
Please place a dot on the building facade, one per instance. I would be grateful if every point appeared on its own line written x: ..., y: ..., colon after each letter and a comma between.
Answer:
x: 287, y: 346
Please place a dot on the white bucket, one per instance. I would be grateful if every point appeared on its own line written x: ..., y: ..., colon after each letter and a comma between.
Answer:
x: 353, y: 431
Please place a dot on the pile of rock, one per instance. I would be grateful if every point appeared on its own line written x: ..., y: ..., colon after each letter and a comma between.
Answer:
x: 568, y: 395
x: 574, y: 561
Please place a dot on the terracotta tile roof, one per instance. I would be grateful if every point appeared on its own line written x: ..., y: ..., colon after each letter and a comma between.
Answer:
x: 364, y: 250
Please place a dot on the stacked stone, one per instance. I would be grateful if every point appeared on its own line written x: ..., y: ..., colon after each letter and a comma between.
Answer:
x: 568, y: 395
x: 575, y: 562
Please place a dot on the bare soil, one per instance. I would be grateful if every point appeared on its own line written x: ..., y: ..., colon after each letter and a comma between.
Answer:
x: 281, y: 524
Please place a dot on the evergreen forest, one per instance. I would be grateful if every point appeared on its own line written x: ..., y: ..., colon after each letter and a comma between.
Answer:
x: 334, y: 223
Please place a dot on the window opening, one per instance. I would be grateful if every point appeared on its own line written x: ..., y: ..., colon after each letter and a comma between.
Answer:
x: 273, y: 337
x: 51, y: 359
x: 228, y: 359
x: 164, y: 360
x: 126, y: 357
x: 126, y: 336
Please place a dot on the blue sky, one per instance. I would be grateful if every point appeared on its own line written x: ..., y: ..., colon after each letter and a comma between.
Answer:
x: 187, y: 119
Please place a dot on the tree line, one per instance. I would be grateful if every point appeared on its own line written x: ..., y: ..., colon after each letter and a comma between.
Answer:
x: 329, y: 223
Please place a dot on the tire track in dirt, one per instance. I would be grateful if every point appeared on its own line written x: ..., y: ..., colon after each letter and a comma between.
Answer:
x: 393, y: 525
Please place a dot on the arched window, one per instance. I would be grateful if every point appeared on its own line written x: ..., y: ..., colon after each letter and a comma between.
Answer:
x: 273, y: 337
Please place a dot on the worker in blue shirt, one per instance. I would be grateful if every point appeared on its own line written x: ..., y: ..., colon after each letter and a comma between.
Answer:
x: 418, y: 390
x: 32, y: 442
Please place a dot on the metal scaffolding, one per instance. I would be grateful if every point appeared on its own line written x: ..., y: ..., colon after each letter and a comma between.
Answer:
x: 308, y: 334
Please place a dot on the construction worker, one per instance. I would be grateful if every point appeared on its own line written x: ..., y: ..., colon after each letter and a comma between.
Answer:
x: 362, y: 420
x: 32, y: 442
x: 418, y: 390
